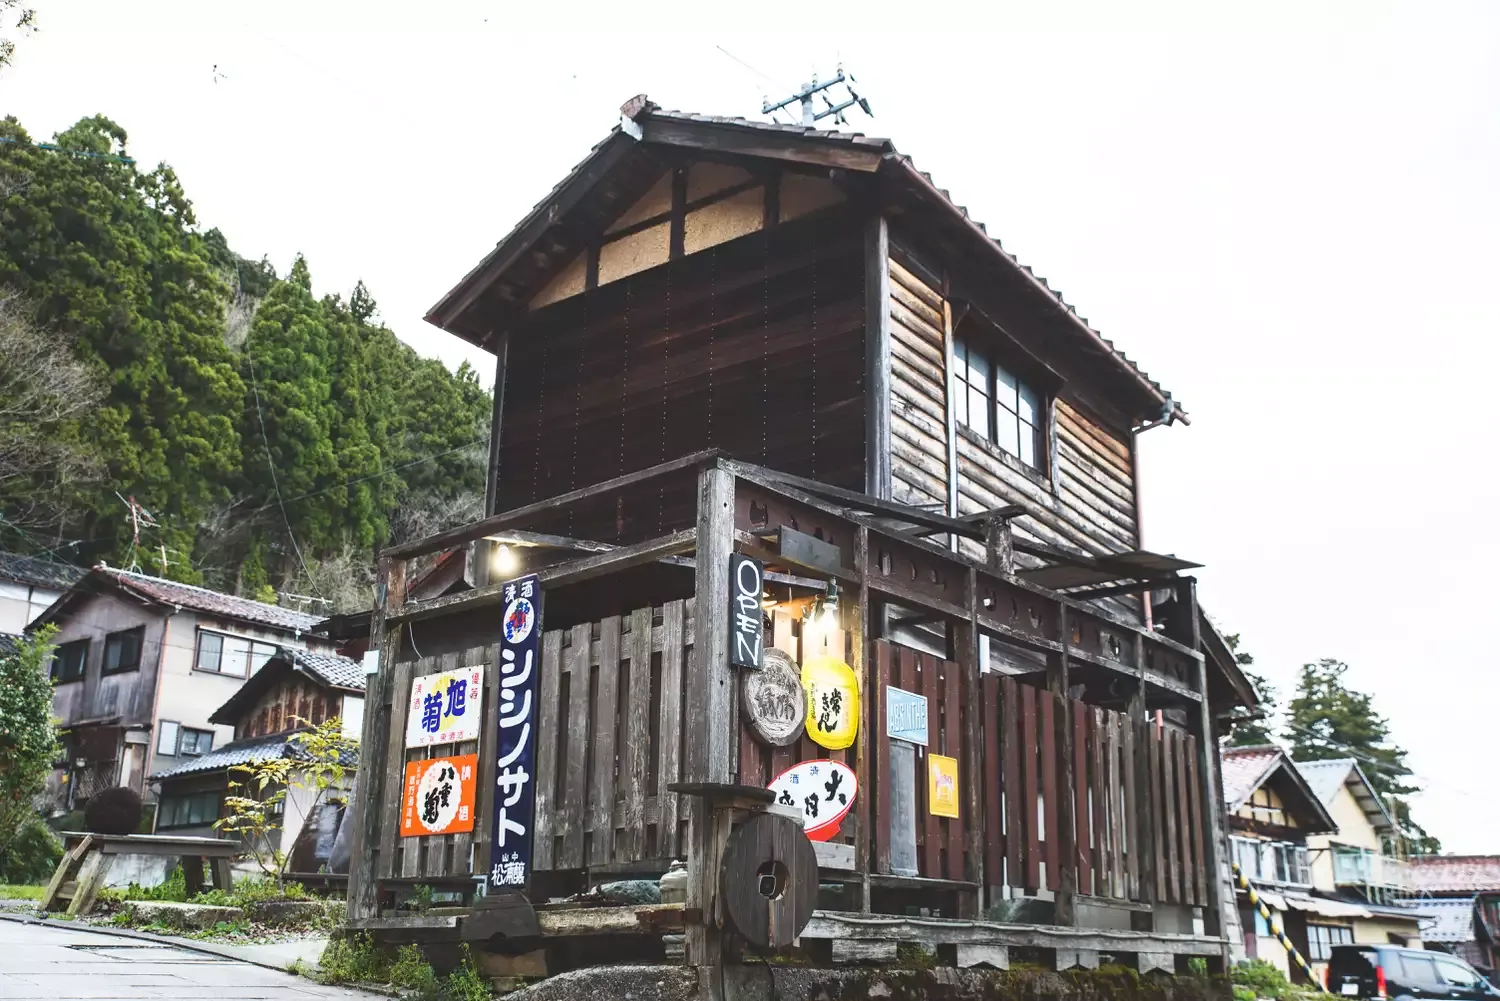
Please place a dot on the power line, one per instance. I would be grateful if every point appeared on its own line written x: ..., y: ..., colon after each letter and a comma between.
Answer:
x: 271, y: 463
x: 54, y: 148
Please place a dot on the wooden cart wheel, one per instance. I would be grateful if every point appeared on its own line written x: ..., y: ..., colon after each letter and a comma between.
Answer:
x: 769, y: 880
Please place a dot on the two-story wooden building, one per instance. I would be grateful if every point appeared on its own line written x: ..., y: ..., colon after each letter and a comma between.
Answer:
x: 718, y: 336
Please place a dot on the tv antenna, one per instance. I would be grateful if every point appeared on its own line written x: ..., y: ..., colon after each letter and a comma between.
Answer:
x: 813, y: 92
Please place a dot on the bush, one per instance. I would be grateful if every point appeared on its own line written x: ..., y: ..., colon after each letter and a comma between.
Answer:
x: 357, y: 959
x: 1257, y: 978
x: 113, y: 811
x: 32, y: 856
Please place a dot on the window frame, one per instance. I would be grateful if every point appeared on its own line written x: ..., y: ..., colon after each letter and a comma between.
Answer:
x: 170, y: 806
x: 222, y: 636
x: 1321, y: 938
x: 55, y: 676
x: 139, y: 634
x: 962, y: 393
x: 198, y: 734
x: 161, y: 734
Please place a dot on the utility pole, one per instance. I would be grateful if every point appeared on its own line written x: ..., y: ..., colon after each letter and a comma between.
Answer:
x: 810, y: 93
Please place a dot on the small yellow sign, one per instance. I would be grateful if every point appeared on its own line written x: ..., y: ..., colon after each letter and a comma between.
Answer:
x: 942, y: 786
x: 832, y: 701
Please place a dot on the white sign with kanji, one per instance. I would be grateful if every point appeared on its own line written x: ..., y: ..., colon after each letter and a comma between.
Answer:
x: 444, y: 708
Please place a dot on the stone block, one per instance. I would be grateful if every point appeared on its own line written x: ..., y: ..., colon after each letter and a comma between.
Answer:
x: 286, y: 912
x: 1148, y: 961
x: 983, y: 954
x: 181, y: 916
x: 1087, y: 959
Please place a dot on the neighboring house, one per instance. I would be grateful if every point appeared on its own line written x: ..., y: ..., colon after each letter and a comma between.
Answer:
x: 1272, y: 814
x: 1357, y: 865
x: 28, y: 586
x: 142, y: 663
x: 295, y: 689
x: 1461, y: 893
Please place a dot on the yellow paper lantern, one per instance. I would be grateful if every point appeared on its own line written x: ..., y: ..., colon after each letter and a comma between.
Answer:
x: 832, y: 701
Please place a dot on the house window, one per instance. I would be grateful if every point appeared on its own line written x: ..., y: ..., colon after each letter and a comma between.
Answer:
x: 222, y: 653
x: 122, y: 650
x: 167, y: 736
x: 69, y: 661
x: 996, y: 405
x: 193, y: 810
x: 1322, y: 938
x: 196, y: 742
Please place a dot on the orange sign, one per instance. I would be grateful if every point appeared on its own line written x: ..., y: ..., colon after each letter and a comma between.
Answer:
x: 439, y: 796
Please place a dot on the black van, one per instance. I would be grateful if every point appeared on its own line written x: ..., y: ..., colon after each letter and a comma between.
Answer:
x: 1388, y: 971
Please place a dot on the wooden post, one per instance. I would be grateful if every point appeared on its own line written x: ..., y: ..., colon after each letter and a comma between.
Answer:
x: 865, y: 670
x: 1208, y: 782
x: 1143, y: 841
x: 363, y: 900
x: 877, y: 358
x: 999, y: 546
x: 1066, y: 833
x: 709, y: 741
x: 492, y: 477
x: 966, y: 650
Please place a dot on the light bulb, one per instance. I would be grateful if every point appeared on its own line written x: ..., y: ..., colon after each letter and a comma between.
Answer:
x: 505, y: 562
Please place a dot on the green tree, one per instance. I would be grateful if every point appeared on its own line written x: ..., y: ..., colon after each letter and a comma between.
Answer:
x: 1327, y: 719
x: 16, y: 19
x: 1255, y: 732
x: 28, y: 739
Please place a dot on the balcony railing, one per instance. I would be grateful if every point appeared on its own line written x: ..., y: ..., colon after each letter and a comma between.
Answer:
x: 1362, y: 867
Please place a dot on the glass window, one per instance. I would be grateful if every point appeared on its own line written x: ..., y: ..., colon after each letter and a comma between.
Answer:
x: 1322, y: 938
x: 69, y: 661
x: 996, y: 405
x: 1457, y: 974
x: 1419, y: 969
x: 122, y: 650
x: 196, y: 741
x: 222, y: 653
x: 210, y: 651
x: 166, y: 737
x: 194, y: 810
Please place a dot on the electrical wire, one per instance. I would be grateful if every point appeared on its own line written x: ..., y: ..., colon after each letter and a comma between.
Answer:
x: 271, y: 463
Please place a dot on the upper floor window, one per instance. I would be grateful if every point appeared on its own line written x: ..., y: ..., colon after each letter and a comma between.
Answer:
x: 195, y: 742
x: 69, y: 661
x: 222, y: 653
x: 122, y: 650
x: 996, y: 405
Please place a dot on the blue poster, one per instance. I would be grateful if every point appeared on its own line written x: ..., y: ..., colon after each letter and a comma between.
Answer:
x: 515, y: 744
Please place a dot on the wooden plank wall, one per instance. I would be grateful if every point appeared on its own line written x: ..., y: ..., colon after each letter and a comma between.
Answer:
x: 919, y: 423
x: 446, y: 855
x: 755, y: 346
x: 940, y: 840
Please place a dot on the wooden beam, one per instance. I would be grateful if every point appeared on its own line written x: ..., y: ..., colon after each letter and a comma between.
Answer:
x: 940, y: 931
x: 492, y: 479
x: 677, y: 217
x: 877, y: 359
x: 1066, y: 833
x: 728, y: 138
x: 769, y: 478
x: 1114, y: 590
x: 488, y: 526
x: 1208, y: 777
x: 572, y: 572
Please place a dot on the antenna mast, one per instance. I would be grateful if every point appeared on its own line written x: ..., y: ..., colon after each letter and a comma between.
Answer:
x: 810, y: 93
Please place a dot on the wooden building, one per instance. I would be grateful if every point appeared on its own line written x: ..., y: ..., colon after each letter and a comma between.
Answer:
x: 718, y: 336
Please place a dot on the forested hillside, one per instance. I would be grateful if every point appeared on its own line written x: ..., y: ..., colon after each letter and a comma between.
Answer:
x: 276, y: 438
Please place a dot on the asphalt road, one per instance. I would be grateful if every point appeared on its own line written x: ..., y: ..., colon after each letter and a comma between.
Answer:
x: 60, y: 964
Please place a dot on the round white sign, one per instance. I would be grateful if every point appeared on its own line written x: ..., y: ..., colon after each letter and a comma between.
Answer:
x: 438, y: 794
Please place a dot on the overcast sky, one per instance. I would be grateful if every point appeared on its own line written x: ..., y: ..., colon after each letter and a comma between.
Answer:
x: 1291, y: 219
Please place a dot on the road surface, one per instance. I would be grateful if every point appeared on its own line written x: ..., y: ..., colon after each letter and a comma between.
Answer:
x: 48, y: 963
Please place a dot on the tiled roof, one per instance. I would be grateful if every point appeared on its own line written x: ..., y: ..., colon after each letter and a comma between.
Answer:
x: 1452, y: 919
x: 1244, y: 770
x: 340, y: 672
x: 8, y: 644
x: 201, y: 599
x: 1327, y: 777
x: 245, y: 752
x: 1456, y: 873
x: 38, y: 572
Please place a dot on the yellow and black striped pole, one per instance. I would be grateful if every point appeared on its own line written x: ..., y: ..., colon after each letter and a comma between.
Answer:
x: 1265, y: 912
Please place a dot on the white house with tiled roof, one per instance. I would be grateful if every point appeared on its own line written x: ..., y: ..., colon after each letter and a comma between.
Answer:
x: 141, y: 665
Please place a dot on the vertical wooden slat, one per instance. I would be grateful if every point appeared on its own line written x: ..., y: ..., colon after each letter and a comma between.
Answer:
x: 994, y: 818
x: 669, y: 727
x: 575, y: 759
x: 1080, y: 791
x: 1011, y: 742
x: 1097, y: 796
x: 1184, y: 818
x: 441, y: 849
x: 635, y: 760
x: 859, y: 645
x: 1169, y: 807
x: 1158, y: 814
x: 1116, y: 809
x: 953, y: 742
x: 1029, y: 788
x: 395, y: 768
x: 602, y: 786
x: 1133, y: 812
x: 932, y: 857
x: 1195, y: 802
x: 484, y: 793
x: 549, y: 738
x: 366, y: 851
x: 882, y: 818
x: 1048, y: 728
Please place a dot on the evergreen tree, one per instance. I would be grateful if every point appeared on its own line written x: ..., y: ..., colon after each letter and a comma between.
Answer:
x: 1256, y: 732
x: 1327, y: 719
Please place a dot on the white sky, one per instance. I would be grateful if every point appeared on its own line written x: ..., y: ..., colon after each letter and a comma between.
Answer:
x: 1289, y: 218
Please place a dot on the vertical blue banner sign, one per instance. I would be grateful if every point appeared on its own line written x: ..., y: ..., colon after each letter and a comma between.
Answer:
x: 515, y: 744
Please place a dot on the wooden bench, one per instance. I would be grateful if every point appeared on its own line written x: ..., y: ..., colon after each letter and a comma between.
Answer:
x: 85, y: 864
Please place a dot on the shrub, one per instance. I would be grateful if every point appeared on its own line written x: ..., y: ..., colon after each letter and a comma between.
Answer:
x: 113, y: 811
x: 32, y: 855
x: 1257, y: 978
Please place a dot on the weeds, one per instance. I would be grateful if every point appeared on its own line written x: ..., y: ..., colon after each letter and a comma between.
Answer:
x: 358, y: 959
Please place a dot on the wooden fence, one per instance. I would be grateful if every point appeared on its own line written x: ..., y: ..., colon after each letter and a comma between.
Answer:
x: 610, y: 726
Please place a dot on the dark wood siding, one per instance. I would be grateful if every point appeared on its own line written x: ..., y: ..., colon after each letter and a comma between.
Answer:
x: 919, y: 423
